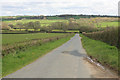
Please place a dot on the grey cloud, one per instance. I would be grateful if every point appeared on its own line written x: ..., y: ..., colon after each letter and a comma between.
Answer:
x: 60, y: 7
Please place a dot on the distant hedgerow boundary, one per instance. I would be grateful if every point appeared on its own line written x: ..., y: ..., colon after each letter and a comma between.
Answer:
x: 109, y: 36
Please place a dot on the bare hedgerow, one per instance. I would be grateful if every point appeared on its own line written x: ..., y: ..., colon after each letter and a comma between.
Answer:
x: 109, y: 35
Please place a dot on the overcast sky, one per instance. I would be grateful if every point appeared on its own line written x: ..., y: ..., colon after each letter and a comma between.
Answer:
x: 56, y: 7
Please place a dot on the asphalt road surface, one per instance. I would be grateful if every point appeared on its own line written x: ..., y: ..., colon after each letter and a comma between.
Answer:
x: 65, y: 61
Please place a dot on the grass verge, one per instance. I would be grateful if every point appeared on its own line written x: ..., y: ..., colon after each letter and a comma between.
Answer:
x: 107, y: 55
x: 13, y: 62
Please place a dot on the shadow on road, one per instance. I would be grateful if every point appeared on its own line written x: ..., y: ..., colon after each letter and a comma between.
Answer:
x: 75, y: 53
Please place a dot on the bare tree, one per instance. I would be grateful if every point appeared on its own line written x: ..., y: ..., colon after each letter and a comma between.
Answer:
x: 19, y: 25
x: 36, y: 25
x: 5, y: 26
x: 11, y: 25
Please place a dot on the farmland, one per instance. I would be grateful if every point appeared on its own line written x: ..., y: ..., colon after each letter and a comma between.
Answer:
x: 15, y: 38
x: 108, y: 24
x: 43, y: 22
x: 38, y: 36
x: 60, y: 39
x: 64, y: 25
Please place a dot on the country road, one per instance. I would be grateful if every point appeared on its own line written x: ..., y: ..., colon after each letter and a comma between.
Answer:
x: 65, y: 61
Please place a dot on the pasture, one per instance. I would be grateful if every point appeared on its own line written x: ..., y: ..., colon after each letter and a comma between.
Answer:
x: 108, y: 24
x: 14, y: 38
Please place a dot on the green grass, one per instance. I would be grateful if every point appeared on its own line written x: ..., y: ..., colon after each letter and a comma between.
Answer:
x: 72, y: 31
x: 0, y: 66
x: 101, y: 51
x: 13, y: 38
x: 13, y: 62
x: 109, y: 24
x: 58, y: 30
x: 65, y: 31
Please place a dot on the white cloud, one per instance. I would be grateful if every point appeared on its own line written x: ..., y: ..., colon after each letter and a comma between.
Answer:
x: 50, y: 7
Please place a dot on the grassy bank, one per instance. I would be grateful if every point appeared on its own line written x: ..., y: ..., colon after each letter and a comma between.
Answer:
x: 13, y: 62
x: 32, y: 40
x: 107, y: 55
x: 109, y: 36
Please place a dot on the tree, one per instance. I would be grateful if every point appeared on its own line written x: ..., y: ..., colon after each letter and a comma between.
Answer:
x: 50, y: 28
x: 44, y: 29
x: 11, y: 25
x: 32, y: 25
x: 64, y: 26
x: 19, y: 25
x: 72, y: 24
x: 5, y: 26
x: 60, y: 26
x: 36, y: 25
x: 29, y: 25
x: 26, y: 26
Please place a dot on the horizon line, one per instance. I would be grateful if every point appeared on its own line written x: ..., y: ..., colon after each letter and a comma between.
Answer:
x: 63, y: 14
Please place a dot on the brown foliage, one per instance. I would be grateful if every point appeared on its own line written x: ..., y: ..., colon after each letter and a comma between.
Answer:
x: 5, y: 26
x: 109, y: 35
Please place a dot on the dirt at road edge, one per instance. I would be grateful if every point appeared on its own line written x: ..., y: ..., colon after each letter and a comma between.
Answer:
x: 99, y: 73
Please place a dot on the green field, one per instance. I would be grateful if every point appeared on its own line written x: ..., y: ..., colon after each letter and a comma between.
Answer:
x: 109, y: 24
x: 65, y: 31
x: 104, y: 53
x: 73, y: 31
x: 43, y: 22
x: 13, y: 38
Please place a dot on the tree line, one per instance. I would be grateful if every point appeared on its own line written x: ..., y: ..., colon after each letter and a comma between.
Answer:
x: 70, y: 25
x: 65, y: 16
